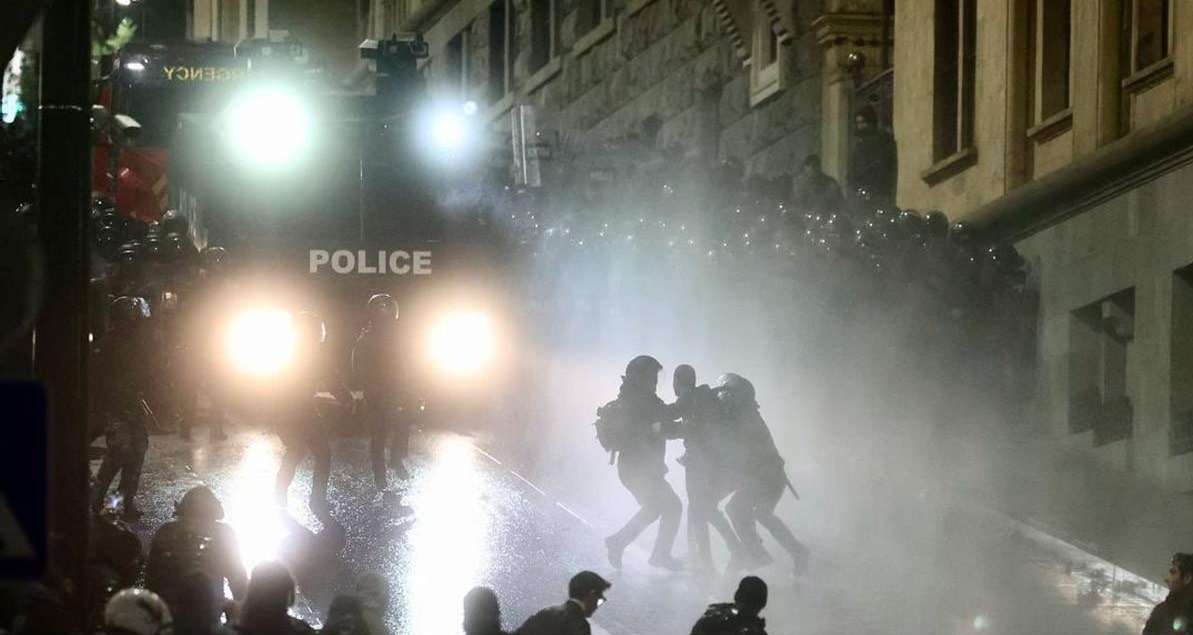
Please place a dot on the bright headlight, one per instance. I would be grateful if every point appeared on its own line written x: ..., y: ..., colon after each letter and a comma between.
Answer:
x: 463, y: 343
x: 269, y: 127
x: 261, y: 342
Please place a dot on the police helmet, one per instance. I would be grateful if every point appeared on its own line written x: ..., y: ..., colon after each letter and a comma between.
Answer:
x: 138, y: 611
x: 310, y: 328
x: 130, y: 252
x: 213, y: 258
x: 382, y: 307
x: 643, y: 366
x: 937, y: 224
x: 736, y: 391
x: 174, y: 223
x: 128, y: 310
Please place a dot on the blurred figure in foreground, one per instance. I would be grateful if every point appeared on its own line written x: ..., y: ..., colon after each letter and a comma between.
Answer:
x: 270, y: 595
x: 739, y: 617
x: 137, y: 612
x: 1173, y: 615
x: 482, y: 613
x: 196, y: 541
x: 345, y: 617
x: 586, y: 592
x: 373, y: 591
x: 192, y: 609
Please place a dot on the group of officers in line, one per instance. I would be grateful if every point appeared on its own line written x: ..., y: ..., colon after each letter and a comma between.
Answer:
x: 160, y: 351
x: 729, y: 452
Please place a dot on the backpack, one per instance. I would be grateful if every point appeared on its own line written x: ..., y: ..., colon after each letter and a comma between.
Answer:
x: 611, y: 427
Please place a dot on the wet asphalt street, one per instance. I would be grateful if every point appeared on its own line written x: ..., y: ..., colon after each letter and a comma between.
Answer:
x: 476, y: 520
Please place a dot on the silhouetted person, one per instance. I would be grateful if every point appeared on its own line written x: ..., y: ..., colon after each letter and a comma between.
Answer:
x: 813, y: 190
x: 740, y: 617
x: 270, y: 595
x: 482, y: 613
x: 345, y: 617
x: 120, y: 370
x: 586, y: 592
x: 196, y: 541
x: 373, y: 590
x: 379, y: 367
x: 873, y: 161
x: 707, y: 483
x: 192, y: 608
x: 1173, y: 615
x: 757, y: 469
x: 646, y: 425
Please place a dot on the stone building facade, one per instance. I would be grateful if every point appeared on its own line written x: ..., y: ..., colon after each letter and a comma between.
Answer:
x: 728, y: 80
x: 1066, y: 127
x: 330, y: 30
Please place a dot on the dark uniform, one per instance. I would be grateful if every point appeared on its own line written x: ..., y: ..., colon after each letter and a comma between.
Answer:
x: 726, y: 619
x: 379, y: 367
x: 640, y: 465
x: 1173, y: 616
x: 199, y: 363
x: 196, y: 541
x: 119, y: 375
x: 756, y: 469
x: 704, y: 473
x: 565, y: 619
x: 295, y: 408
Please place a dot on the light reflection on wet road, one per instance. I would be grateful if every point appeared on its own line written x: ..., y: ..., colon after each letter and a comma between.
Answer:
x: 479, y: 521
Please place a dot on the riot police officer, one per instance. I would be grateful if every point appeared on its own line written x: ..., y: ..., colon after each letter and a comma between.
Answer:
x: 756, y: 469
x: 379, y: 367
x: 646, y: 425
x: 295, y: 407
x: 198, y: 365
x: 119, y: 374
x: 704, y: 475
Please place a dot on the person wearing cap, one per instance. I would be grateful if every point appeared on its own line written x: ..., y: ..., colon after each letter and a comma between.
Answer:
x: 586, y: 592
x: 647, y: 424
x: 740, y: 617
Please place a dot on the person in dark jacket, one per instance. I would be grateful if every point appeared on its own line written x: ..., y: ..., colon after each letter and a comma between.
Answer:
x: 196, y: 541
x: 482, y: 613
x: 703, y: 432
x: 757, y: 471
x: 379, y: 367
x: 192, y: 608
x: 586, y: 592
x: 269, y: 597
x: 1173, y: 616
x: 739, y: 617
x: 647, y: 424
x: 119, y: 374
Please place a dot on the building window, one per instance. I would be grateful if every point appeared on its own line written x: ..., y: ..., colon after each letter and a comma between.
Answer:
x: 542, y: 33
x: 455, y: 72
x: 956, y: 60
x: 499, y: 50
x: 768, y: 65
x: 590, y: 14
x: 1150, y: 32
x: 1053, y: 46
x: 1180, y: 435
x: 229, y: 20
x: 1100, y: 347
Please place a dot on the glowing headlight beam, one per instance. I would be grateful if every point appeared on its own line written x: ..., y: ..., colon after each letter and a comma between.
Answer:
x: 462, y: 343
x: 262, y: 342
x: 269, y: 127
